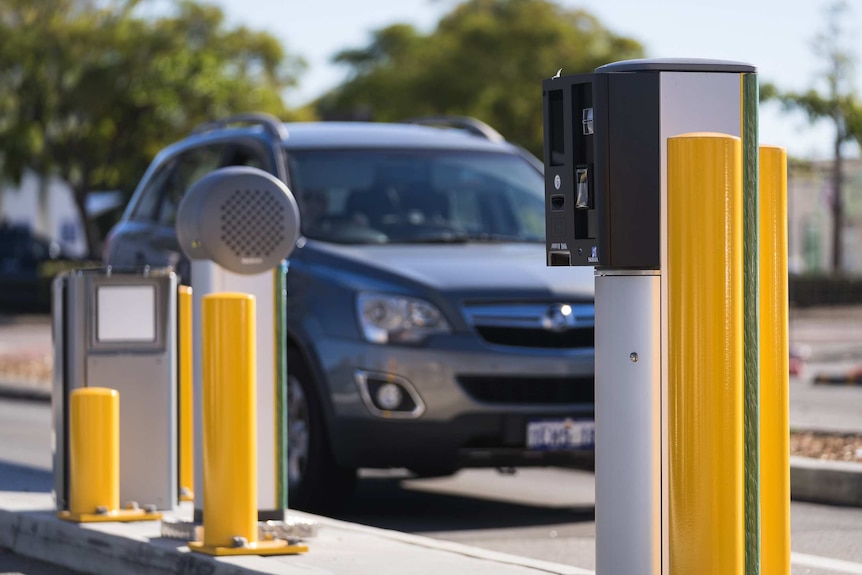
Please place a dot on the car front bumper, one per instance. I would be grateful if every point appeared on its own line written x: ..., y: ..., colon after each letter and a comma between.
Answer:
x: 455, y: 429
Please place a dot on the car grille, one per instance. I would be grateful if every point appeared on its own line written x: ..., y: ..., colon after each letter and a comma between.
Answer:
x: 526, y: 390
x: 582, y: 337
x: 535, y: 325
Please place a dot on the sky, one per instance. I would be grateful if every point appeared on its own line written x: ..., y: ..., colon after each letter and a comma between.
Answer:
x: 777, y: 36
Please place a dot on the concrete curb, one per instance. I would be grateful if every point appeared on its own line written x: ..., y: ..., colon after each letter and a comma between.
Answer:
x: 30, y: 529
x: 847, y: 379
x: 22, y: 392
x: 40, y: 535
x: 823, y: 481
x: 449, y: 546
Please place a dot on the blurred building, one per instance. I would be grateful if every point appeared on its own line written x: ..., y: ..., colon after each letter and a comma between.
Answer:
x: 47, y: 208
x: 810, y: 196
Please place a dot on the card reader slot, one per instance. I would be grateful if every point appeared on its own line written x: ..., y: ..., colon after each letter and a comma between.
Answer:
x: 558, y: 203
x: 582, y: 189
x: 559, y: 258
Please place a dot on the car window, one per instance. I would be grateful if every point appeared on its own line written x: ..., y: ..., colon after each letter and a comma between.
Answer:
x: 147, y: 207
x: 161, y: 197
x: 189, y: 167
x: 39, y: 250
x: 411, y: 196
x: 243, y: 155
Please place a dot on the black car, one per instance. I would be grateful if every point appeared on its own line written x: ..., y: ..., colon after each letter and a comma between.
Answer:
x: 24, y: 277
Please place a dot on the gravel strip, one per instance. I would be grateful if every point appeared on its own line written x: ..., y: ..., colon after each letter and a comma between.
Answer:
x: 830, y: 446
x: 32, y: 368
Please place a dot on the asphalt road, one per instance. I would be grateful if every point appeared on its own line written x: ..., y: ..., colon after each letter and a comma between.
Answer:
x: 825, y: 407
x: 25, y: 463
x: 542, y: 513
x: 548, y: 514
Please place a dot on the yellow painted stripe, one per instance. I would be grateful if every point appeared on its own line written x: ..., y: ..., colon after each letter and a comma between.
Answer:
x: 229, y: 405
x: 774, y: 368
x: 186, y: 395
x: 705, y: 347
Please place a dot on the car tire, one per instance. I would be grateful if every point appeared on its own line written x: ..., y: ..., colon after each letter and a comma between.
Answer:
x: 315, y: 482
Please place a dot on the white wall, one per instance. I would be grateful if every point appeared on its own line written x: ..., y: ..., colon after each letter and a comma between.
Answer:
x: 59, y: 221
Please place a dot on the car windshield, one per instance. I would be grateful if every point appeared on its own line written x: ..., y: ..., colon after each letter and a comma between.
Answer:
x: 417, y: 196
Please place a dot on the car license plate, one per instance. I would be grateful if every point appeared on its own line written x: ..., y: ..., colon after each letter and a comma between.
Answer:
x: 561, y: 434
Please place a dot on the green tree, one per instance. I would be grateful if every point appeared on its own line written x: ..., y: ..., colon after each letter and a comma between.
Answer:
x: 90, y: 90
x: 834, y: 99
x: 485, y: 59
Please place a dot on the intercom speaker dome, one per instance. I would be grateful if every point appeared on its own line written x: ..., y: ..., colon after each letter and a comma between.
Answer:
x: 241, y: 218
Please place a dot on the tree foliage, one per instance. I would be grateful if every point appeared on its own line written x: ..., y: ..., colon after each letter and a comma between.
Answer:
x: 834, y: 99
x: 90, y: 90
x: 485, y: 59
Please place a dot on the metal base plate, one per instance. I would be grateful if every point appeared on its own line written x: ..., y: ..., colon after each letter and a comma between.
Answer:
x: 119, y: 515
x: 276, y: 547
x: 293, y: 529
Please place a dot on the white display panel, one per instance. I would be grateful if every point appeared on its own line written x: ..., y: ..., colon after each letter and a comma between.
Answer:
x: 126, y: 314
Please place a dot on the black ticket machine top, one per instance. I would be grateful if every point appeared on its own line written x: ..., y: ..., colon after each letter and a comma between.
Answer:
x: 602, y: 156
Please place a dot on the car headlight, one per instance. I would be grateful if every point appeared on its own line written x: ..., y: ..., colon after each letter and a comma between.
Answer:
x: 397, y: 319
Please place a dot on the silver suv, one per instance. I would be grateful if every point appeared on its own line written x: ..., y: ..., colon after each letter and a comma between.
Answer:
x: 425, y: 331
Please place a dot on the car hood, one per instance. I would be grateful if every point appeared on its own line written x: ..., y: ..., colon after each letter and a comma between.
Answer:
x: 473, y: 267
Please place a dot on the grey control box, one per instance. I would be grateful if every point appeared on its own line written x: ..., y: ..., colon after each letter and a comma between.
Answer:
x: 118, y: 330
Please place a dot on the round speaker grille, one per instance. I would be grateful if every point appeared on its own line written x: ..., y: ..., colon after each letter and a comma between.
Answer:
x: 252, y: 223
x: 241, y: 218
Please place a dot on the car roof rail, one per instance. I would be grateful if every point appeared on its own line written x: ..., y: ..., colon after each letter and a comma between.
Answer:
x: 270, y: 123
x: 466, y: 123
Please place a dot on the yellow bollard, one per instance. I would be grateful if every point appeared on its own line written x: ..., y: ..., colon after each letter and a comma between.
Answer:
x: 94, y: 459
x: 229, y: 423
x: 187, y: 465
x: 774, y: 368
x: 705, y: 347
x: 94, y: 450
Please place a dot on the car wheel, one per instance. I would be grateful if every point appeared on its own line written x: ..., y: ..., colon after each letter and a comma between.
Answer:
x: 315, y: 482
